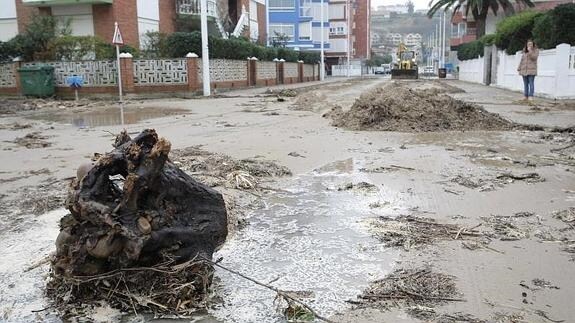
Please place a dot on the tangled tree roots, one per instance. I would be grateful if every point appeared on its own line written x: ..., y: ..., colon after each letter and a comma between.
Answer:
x: 137, y: 231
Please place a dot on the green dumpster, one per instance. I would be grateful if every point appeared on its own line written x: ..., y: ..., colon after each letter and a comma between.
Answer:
x: 37, y: 80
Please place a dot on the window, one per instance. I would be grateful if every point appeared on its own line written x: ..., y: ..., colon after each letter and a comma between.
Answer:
x: 305, y: 31
x: 305, y: 8
x: 282, y: 30
x: 337, y: 30
x: 282, y: 4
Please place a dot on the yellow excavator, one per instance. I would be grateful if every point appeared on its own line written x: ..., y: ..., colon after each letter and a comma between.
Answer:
x: 405, y: 66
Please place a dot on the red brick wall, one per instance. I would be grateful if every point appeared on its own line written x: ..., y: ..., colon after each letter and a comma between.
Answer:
x: 262, y: 24
x: 361, y: 31
x: 167, y: 16
x: 24, y: 14
x: 125, y: 13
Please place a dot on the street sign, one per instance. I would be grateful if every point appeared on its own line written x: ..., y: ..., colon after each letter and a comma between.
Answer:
x: 117, y: 39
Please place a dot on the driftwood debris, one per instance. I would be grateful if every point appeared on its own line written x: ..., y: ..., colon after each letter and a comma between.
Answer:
x: 135, y: 217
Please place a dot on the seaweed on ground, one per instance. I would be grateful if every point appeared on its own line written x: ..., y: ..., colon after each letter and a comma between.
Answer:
x: 410, y: 287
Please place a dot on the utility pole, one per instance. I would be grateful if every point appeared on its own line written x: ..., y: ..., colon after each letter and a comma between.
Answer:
x: 322, y: 55
x: 348, y: 12
x: 444, y: 37
x: 205, y: 50
x: 436, y: 45
x: 441, y: 22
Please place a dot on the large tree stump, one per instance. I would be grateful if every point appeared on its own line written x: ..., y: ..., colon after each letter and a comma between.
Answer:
x: 135, y: 209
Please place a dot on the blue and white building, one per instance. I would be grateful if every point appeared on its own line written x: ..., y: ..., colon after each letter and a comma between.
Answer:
x: 299, y: 21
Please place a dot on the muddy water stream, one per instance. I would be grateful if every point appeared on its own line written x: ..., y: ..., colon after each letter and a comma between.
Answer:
x: 308, y: 237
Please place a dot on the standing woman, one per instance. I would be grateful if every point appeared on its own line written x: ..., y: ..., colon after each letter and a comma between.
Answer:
x: 528, y: 68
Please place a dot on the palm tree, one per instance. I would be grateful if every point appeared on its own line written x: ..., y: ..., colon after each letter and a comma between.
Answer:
x: 479, y: 9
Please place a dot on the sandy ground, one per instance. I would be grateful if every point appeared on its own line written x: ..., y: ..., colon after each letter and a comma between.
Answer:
x: 248, y: 123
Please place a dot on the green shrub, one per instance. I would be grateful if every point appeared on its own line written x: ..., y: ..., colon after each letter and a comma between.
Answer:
x: 309, y: 57
x: 564, y: 16
x: 512, y: 32
x: 470, y: 50
x: 488, y: 40
x: 180, y: 43
x: 544, y: 33
x: 154, y: 45
x: 555, y: 27
x: 7, y: 51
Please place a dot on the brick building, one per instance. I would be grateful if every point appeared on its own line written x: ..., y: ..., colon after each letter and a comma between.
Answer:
x: 135, y: 17
x: 359, y: 45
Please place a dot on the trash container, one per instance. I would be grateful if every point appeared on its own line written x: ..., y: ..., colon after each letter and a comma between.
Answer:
x: 442, y: 73
x: 37, y: 80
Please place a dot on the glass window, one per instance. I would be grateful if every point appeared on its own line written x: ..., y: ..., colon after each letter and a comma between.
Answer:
x: 282, y: 4
x: 282, y: 30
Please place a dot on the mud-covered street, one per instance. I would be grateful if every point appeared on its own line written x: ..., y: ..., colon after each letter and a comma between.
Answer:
x: 461, y: 213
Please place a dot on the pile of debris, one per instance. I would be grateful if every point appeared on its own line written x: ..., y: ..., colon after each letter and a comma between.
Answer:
x: 33, y: 140
x: 399, y: 108
x: 221, y: 170
x: 140, y: 234
x: 410, y: 287
x: 409, y: 231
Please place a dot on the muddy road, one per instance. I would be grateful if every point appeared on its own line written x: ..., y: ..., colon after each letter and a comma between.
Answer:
x: 488, y: 212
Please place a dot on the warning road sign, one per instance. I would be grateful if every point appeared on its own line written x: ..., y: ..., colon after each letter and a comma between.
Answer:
x: 117, y: 39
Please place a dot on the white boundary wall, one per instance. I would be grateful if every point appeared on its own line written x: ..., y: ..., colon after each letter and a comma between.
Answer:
x: 472, y: 70
x: 341, y: 70
x: 555, y: 72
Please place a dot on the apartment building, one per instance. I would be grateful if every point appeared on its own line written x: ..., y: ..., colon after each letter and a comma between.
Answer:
x: 297, y: 24
x: 412, y: 40
x: 135, y: 17
x: 355, y: 16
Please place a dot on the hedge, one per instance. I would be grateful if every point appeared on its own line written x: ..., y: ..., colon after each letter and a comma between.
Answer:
x: 180, y: 43
x: 513, y: 32
x: 548, y: 29
x: 67, y: 47
x: 555, y: 27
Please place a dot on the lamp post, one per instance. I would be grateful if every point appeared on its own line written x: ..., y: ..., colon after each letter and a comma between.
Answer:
x: 322, y: 55
x: 205, y: 50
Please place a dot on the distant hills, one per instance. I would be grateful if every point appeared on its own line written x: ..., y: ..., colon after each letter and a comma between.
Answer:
x: 404, y: 24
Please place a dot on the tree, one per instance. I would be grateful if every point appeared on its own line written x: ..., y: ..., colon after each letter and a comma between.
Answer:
x: 479, y: 9
x: 410, y: 7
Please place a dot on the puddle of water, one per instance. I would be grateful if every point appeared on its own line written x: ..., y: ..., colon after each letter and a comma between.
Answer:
x: 109, y: 116
x: 22, y: 287
x: 308, y: 238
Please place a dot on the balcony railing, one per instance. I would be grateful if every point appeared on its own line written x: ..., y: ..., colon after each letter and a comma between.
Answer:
x: 192, y: 7
x: 63, y: 2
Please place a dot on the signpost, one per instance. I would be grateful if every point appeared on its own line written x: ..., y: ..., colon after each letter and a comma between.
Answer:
x: 75, y: 83
x: 118, y: 40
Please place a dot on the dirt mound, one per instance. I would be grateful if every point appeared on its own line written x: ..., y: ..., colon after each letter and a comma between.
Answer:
x: 308, y: 101
x: 398, y: 108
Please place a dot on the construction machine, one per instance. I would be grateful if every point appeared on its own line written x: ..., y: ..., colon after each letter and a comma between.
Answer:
x: 405, y: 67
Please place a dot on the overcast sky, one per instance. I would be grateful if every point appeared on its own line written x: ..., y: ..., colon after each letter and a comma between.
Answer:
x: 419, y: 4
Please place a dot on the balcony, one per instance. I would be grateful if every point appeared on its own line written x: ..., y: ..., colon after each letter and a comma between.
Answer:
x: 43, y: 3
x: 192, y: 7
x: 305, y: 12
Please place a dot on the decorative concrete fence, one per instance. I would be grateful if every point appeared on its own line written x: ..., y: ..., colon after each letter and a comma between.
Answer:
x: 555, y: 74
x: 163, y: 75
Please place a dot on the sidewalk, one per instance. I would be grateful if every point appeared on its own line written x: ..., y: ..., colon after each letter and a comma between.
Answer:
x: 545, y: 112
